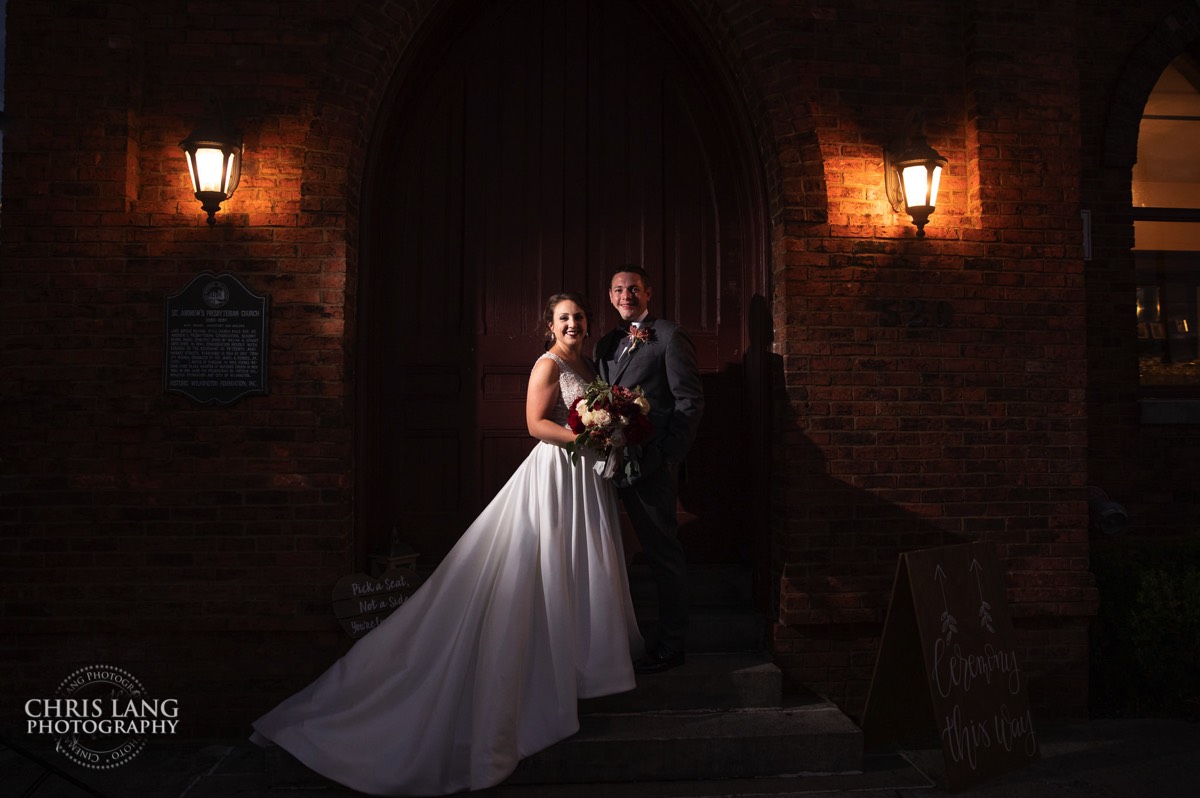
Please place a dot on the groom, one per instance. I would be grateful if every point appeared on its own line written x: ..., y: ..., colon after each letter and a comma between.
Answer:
x: 658, y: 356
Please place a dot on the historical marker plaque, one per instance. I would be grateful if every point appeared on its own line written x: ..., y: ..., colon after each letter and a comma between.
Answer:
x: 216, y: 341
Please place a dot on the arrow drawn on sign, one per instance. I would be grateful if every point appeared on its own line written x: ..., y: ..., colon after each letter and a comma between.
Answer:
x: 949, y: 624
x: 985, y: 609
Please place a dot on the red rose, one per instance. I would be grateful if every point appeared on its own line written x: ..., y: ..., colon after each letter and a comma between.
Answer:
x: 573, y: 419
x: 639, y: 429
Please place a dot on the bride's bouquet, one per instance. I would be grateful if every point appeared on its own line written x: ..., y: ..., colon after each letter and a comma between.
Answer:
x: 614, y: 421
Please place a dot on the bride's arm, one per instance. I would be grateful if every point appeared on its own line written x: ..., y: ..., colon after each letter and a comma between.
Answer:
x: 540, y: 402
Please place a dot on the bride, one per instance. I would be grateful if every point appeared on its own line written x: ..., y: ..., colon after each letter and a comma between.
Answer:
x: 483, y: 665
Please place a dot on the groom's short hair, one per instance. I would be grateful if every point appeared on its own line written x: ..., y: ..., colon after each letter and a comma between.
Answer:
x: 632, y: 268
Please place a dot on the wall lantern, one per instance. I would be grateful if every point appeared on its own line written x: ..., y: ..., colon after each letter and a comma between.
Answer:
x: 214, y: 159
x: 912, y: 174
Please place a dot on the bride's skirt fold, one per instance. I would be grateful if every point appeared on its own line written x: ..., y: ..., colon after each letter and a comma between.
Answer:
x: 483, y: 665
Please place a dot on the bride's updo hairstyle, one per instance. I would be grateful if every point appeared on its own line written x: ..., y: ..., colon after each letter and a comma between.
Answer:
x: 548, y: 314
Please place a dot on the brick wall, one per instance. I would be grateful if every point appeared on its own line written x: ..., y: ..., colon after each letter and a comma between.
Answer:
x: 190, y: 544
x: 928, y: 391
x: 934, y: 390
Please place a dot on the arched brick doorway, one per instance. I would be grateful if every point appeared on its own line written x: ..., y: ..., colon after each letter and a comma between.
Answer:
x: 527, y: 146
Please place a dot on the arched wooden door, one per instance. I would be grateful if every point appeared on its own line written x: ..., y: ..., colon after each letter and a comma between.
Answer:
x: 531, y: 146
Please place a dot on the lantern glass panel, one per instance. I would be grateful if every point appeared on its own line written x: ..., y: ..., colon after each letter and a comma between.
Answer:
x: 919, y: 189
x: 210, y: 163
x: 232, y: 173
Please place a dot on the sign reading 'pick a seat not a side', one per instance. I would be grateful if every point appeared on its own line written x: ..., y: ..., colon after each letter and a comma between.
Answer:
x: 948, y: 654
x: 362, y: 602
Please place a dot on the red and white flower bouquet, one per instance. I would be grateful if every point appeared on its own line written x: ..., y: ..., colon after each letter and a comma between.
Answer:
x: 614, y: 421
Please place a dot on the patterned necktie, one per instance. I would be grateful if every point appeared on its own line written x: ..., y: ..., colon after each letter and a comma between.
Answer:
x: 626, y: 344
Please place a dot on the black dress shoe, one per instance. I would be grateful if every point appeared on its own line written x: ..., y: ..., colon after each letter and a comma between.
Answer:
x: 658, y: 661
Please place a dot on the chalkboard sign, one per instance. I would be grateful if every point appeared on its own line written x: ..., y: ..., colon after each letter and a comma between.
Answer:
x: 216, y: 341
x: 947, y: 653
x: 361, y: 602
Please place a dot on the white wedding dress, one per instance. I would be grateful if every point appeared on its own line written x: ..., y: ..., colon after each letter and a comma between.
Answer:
x: 483, y: 665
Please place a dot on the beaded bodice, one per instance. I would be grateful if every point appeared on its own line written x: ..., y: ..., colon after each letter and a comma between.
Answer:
x: 570, y: 387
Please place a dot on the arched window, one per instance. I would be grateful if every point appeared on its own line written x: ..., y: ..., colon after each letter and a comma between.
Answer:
x: 3, y: 57
x: 1166, y: 212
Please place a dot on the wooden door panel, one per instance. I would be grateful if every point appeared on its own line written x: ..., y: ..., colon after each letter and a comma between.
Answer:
x: 424, y: 388
x: 503, y: 452
x: 691, y: 227
x: 503, y: 438
x: 550, y: 142
x: 625, y: 150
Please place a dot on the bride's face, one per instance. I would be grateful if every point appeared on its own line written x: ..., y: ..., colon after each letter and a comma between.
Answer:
x: 569, y: 323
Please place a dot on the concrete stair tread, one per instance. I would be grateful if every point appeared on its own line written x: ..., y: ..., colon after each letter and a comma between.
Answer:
x: 881, y: 775
x: 243, y: 771
x: 725, y: 680
x: 722, y: 612
x: 722, y: 662
x: 721, y: 716
x: 812, y: 736
x: 702, y: 723
x: 712, y: 585
x: 712, y: 629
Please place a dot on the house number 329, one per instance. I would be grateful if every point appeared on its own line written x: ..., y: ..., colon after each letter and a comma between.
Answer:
x: 916, y: 313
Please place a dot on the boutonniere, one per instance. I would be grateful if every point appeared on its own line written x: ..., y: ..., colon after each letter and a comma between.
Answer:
x: 638, y: 335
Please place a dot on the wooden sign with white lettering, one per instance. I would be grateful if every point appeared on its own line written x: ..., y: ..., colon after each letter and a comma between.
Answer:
x: 947, y: 649
x: 361, y: 602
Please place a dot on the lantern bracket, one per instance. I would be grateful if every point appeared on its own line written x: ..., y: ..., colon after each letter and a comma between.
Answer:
x: 925, y: 166
x: 214, y: 157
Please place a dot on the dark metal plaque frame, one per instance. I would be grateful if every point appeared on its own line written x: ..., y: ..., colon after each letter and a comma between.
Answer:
x: 216, y: 342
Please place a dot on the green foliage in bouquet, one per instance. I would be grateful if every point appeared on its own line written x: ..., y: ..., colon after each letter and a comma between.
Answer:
x: 613, y: 421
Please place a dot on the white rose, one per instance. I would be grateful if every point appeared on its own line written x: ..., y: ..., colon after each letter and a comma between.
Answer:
x: 600, y: 418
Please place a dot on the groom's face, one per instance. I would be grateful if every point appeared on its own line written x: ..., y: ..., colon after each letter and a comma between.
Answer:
x: 629, y: 295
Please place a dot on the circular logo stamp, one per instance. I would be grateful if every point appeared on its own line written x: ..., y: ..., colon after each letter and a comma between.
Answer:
x: 216, y: 294
x: 101, y: 716
x: 105, y: 693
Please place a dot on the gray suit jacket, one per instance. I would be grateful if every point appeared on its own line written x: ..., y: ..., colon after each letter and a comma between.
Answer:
x: 664, y: 367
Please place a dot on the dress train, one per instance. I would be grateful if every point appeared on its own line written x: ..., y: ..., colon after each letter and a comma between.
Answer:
x: 484, y: 664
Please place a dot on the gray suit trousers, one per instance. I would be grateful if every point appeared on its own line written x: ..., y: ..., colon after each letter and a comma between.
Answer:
x: 651, y: 506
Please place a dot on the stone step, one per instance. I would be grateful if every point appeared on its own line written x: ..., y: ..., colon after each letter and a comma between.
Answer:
x: 722, y: 613
x: 884, y: 775
x: 813, y: 737
x: 746, y: 680
x: 223, y: 770
x: 709, y: 585
x: 667, y: 747
x: 714, y: 629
